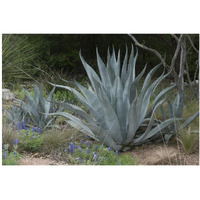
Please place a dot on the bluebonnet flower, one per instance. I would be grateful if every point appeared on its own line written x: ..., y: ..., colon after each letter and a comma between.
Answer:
x: 18, y: 126
x: 71, y: 138
x: 38, y: 136
x: 87, y: 142
x: 24, y: 125
x: 80, y: 160
x: 33, y: 134
x: 81, y: 142
x: 5, y: 154
x: 71, y: 148
x: 38, y: 130
x: 88, y: 150
x: 102, y: 146
x: 3, y: 146
x: 96, y: 147
x: 31, y: 137
x: 109, y: 149
x: 65, y: 150
x: 72, y: 101
x: 117, y: 152
x: 95, y: 157
x: 14, y: 153
x: 16, y: 141
x: 104, y: 158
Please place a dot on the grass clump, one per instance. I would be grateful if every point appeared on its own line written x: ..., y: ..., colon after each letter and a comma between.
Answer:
x: 188, y: 140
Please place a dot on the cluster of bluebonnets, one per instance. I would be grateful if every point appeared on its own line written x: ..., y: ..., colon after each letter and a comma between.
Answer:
x: 116, y: 113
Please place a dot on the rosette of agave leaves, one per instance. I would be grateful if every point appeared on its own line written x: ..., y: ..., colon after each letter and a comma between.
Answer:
x: 120, y: 115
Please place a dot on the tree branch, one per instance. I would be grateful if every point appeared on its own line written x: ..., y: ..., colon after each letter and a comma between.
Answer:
x: 150, y: 50
x: 192, y: 44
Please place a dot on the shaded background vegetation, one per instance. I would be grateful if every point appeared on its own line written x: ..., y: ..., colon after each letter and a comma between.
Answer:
x: 39, y: 56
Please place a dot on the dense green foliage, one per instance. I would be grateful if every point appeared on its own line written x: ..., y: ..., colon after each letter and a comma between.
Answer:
x: 33, y: 56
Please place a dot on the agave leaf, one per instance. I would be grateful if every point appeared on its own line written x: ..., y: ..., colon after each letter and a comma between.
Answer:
x: 103, y: 72
x: 82, y: 100
x: 158, y: 97
x: 133, y: 122
x: 149, y: 76
x: 111, y: 119
x: 90, y: 72
x: 79, y: 111
x: 142, y: 137
x: 157, y: 130
x: 75, y: 120
x: 189, y: 120
x: 124, y: 68
x: 104, y: 136
x: 93, y: 101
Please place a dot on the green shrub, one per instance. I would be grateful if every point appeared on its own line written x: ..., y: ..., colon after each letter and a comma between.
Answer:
x: 30, y: 141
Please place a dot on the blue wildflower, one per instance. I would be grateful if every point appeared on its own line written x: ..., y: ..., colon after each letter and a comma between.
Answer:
x: 95, y: 157
x: 81, y: 142
x: 96, y: 147
x: 102, y: 146
x: 33, y: 134
x: 109, y: 149
x: 38, y: 136
x: 24, y: 125
x: 88, y: 150
x: 18, y: 126
x: 72, y: 101
x: 14, y: 153
x: 65, y: 150
x: 31, y: 137
x: 71, y: 148
x: 3, y: 146
x: 104, y: 158
x: 16, y: 141
x: 80, y: 160
x: 33, y: 129
x: 71, y: 138
x: 38, y: 130
x: 117, y: 152
x: 87, y: 142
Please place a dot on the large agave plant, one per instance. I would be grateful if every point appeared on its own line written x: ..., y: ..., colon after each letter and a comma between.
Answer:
x: 120, y: 114
x: 35, y: 110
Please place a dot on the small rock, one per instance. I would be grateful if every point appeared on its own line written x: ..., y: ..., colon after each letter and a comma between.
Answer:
x: 7, y: 94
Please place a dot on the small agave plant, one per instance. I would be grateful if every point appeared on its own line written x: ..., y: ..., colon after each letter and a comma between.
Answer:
x: 175, y: 110
x: 34, y: 110
x: 120, y: 114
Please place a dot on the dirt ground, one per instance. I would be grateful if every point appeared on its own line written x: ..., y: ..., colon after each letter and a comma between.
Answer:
x: 160, y: 154
x: 152, y: 154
